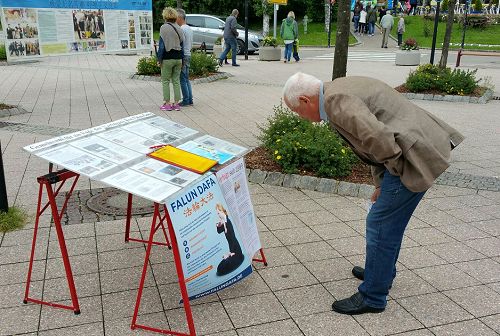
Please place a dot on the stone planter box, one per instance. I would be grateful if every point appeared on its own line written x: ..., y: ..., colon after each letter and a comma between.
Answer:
x: 269, y: 54
x: 217, y: 50
x: 408, y: 57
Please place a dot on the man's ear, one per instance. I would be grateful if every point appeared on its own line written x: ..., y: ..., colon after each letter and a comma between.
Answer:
x: 305, y: 99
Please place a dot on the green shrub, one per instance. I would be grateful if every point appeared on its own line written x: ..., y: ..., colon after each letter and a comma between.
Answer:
x: 431, y: 77
x: 296, y: 143
x: 478, y: 5
x: 3, y: 54
x: 444, y: 5
x: 148, y: 66
x: 202, y: 64
x: 426, y: 28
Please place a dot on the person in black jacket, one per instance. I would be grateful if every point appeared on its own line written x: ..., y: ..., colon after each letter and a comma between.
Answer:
x: 233, y: 259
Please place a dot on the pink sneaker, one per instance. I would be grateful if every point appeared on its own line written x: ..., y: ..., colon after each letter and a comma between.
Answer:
x: 176, y: 107
x: 166, y: 107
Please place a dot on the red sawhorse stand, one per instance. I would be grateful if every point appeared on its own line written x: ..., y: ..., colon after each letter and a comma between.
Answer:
x: 46, y: 183
x: 161, y: 218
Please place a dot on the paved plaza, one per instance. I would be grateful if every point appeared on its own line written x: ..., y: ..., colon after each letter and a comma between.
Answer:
x: 448, y: 279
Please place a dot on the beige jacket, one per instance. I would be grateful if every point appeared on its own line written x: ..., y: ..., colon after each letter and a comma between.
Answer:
x: 388, y: 131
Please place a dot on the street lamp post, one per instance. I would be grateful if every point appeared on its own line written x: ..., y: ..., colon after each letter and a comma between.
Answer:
x: 246, y: 29
x: 434, y: 36
x: 4, y: 204
x: 465, y: 23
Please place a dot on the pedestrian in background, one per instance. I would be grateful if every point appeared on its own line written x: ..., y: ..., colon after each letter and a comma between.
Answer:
x: 355, y: 15
x: 401, y: 29
x: 362, y: 21
x: 289, y: 33
x: 187, y: 93
x: 170, y: 58
x: 371, y: 18
x: 386, y: 23
x: 381, y: 12
x: 230, y: 35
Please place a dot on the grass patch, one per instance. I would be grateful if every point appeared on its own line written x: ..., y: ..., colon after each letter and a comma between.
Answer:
x: 3, y: 54
x: 5, y: 106
x: 13, y: 219
x: 316, y: 35
x: 487, y: 35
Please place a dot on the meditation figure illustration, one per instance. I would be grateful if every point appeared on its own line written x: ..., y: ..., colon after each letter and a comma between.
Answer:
x: 233, y: 259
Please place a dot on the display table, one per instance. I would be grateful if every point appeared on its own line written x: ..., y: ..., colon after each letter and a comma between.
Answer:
x: 207, y: 220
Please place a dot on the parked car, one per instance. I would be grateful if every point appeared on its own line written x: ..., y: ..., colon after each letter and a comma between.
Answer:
x: 207, y: 29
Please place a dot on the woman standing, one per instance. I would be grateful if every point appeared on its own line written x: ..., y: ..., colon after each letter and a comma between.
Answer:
x: 289, y: 33
x: 170, y: 58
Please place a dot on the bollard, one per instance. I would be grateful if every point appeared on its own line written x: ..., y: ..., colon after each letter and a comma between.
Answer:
x: 305, y: 23
x: 4, y: 204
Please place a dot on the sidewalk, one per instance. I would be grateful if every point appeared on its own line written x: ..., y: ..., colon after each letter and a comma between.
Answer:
x: 448, y: 279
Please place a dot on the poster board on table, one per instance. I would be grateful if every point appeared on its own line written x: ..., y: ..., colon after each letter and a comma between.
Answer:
x: 37, y: 28
x: 116, y: 154
x: 211, y: 247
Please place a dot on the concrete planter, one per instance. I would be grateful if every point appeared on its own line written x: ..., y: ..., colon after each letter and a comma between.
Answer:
x: 408, y: 57
x: 218, y: 50
x: 269, y: 54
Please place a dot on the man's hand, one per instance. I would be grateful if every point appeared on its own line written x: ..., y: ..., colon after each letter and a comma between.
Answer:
x: 375, y: 195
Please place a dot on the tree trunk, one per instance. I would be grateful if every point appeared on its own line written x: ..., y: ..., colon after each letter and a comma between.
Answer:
x: 327, y: 15
x: 447, y: 34
x: 265, y: 24
x: 179, y: 3
x: 265, y: 18
x: 342, y: 39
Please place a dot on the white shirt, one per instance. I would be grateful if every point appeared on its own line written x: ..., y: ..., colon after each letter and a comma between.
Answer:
x: 362, y: 16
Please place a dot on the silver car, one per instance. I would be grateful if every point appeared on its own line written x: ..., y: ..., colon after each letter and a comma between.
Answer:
x: 207, y: 29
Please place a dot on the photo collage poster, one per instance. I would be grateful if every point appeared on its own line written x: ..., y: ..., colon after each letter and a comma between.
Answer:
x: 57, y: 27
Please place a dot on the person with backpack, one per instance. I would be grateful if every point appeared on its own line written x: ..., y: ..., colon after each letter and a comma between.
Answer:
x: 289, y: 33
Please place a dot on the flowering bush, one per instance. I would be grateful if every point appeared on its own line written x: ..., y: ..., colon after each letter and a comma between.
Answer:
x: 297, y: 144
x: 269, y: 42
x: 409, y: 44
x: 431, y: 77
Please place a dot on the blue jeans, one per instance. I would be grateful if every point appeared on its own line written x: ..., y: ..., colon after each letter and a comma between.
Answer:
x: 231, y: 44
x: 356, y: 22
x: 371, y: 28
x: 385, y: 225
x: 288, y: 51
x: 187, y: 93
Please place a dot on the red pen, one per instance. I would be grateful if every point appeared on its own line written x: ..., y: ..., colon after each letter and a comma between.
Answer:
x: 157, y: 146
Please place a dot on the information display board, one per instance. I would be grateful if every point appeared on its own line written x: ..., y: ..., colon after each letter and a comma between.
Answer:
x: 115, y: 153
x: 35, y: 28
x: 212, y: 214
x: 211, y: 246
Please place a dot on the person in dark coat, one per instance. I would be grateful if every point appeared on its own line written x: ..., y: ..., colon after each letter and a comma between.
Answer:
x: 233, y: 259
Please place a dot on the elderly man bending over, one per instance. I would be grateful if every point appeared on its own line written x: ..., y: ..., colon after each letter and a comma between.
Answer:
x: 407, y: 149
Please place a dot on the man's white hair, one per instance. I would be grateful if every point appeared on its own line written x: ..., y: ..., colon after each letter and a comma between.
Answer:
x: 300, y: 84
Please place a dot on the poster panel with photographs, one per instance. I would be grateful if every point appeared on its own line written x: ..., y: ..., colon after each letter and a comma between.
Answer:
x: 35, y: 28
x: 209, y: 242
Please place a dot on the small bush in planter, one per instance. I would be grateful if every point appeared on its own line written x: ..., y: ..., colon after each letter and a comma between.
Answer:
x: 148, y: 66
x: 202, y: 64
x: 431, y: 77
x: 269, y: 42
x: 296, y: 143
x: 409, y: 44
